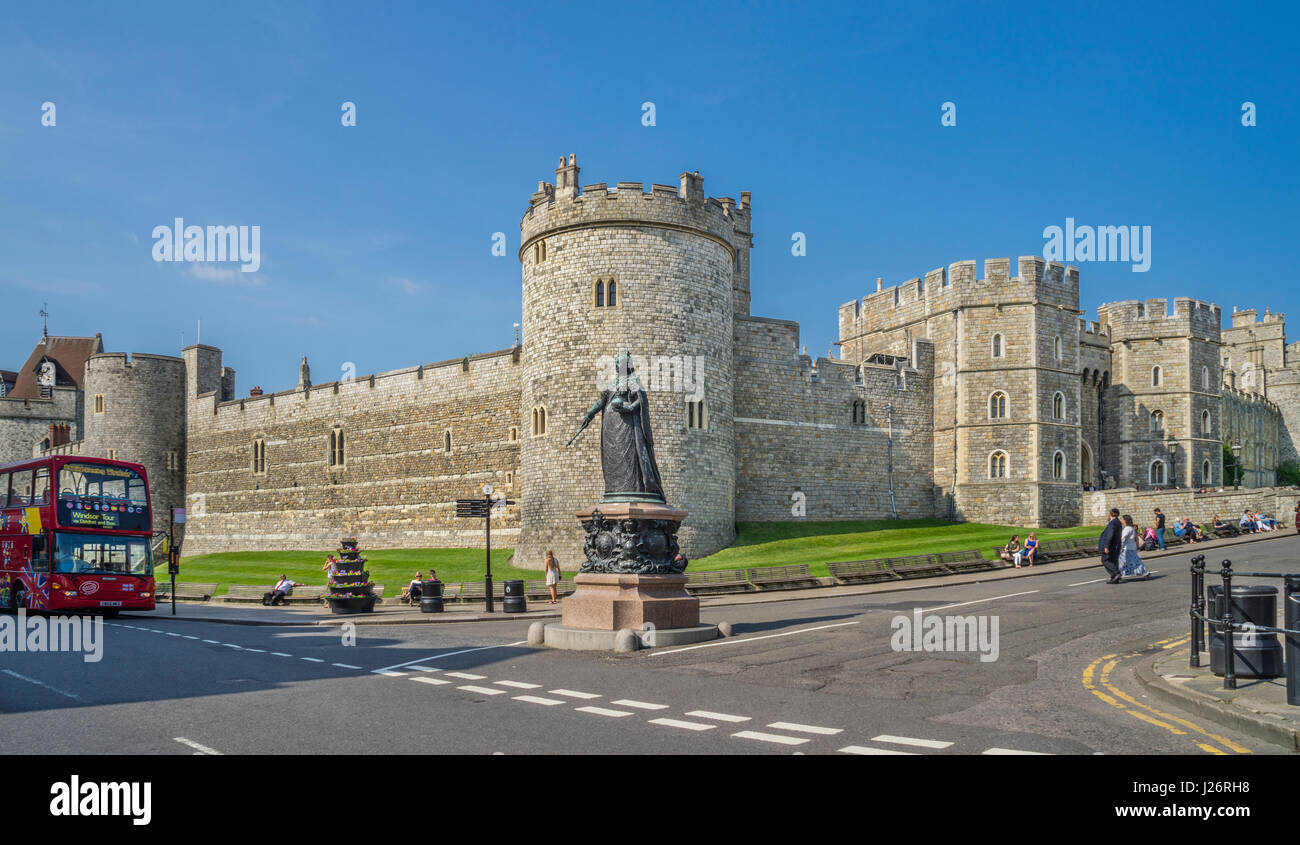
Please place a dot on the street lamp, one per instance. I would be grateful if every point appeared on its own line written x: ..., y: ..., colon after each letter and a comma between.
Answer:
x: 1173, y: 462
x: 1236, y: 465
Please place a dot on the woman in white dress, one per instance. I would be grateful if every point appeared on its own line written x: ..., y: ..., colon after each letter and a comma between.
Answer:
x: 1130, y: 564
x: 552, y: 574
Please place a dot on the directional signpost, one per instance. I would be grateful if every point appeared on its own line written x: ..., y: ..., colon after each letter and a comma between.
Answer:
x: 474, y: 509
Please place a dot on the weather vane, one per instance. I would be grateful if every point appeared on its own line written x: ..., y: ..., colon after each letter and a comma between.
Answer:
x: 45, y: 320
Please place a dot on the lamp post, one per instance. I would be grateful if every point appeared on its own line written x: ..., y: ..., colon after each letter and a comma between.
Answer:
x: 1236, y: 465
x: 1173, y: 462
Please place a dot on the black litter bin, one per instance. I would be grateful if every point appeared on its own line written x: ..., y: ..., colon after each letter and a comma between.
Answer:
x: 431, y: 597
x: 1257, y: 604
x: 515, y: 602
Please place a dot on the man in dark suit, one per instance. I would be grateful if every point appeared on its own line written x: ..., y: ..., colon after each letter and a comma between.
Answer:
x: 1109, y: 546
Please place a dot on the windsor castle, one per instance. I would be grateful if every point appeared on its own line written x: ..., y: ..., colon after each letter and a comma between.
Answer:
x: 959, y: 394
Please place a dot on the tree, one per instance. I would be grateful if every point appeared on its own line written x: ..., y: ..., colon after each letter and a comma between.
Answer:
x: 1288, y: 474
x: 1229, y: 466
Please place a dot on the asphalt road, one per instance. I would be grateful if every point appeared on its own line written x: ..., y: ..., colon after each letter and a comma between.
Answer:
x: 815, y: 675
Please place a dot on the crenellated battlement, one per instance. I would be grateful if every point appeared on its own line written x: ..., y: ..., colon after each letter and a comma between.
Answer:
x: 139, y: 365
x: 563, y: 206
x: 1246, y: 318
x: 1132, y: 319
x: 959, y: 285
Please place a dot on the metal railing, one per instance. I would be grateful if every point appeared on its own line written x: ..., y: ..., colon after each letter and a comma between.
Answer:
x: 1228, y: 625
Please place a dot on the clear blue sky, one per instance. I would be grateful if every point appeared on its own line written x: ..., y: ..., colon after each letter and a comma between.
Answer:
x: 376, y: 239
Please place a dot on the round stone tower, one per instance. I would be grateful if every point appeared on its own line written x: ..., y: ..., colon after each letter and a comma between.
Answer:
x: 135, y: 411
x: 660, y: 273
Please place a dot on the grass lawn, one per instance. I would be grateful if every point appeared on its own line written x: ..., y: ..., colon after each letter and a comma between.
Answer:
x: 757, y: 544
x: 818, y: 543
x: 392, y: 567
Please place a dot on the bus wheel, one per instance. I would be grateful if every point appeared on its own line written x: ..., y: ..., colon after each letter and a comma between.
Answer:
x: 16, y: 597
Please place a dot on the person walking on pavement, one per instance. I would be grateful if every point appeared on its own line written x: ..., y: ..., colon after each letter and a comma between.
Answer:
x: 1109, y: 546
x: 1160, y: 529
x: 552, y: 574
x: 1131, y: 565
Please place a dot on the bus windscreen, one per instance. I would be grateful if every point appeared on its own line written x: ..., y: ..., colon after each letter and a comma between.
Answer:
x: 100, y: 496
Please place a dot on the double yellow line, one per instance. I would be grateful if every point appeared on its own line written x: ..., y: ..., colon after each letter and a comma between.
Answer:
x: 1115, y: 697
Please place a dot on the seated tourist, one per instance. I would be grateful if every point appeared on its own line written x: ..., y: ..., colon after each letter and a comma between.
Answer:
x: 1012, y: 551
x: 278, y: 593
x: 1031, y: 549
x: 1247, y: 524
x: 413, y: 590
x: 1149, y: 541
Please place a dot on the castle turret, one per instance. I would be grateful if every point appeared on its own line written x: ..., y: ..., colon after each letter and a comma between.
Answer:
x: 653, y: 272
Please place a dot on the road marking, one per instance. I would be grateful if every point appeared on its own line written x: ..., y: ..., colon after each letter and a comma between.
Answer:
x: 517, y: 684
x: 907, y: 740
x: 863, y: 749
x: 232, y: 645
x: 14, y: 674
x: 979, y: 601
x: 573, y: 693
x: 258, y: 650
x: 604, y: 711
x: 214, y: 642
x: 423, y: 679
x: 734, y: 640
x: 677, y: 723
x: 425, y: 668
x: 448, y: 654
x: 465, y: 676
x: 721, y: 717
x: 640, y: 705
x: 537, y: 699
x: 312, y: 659
x: 777, y: 738
x: 807, y: 729
x: 482, y: 690
x: 281, y: 654
x: 1005, y: 751
x: 345, y: 666
x: 1081, y: 583
x: 172, y: 634
x: 188, y: 637
x: 202, y: 749
x: 386, y: 672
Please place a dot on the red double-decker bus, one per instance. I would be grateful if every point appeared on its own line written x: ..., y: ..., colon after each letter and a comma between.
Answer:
x: 74, y: 535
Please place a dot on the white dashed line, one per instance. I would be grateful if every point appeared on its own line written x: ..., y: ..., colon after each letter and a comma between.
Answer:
x: 482, y: 690
x: 777, y: 738
x: 201, y: 749
x: 258, y: 650
x: 1081, y: 583
x: 188, y: 637
x: 1014, y: 751
x: 425, y: 668
x: 640, y: 705
x: 232, y: 645
x: 387, y: 672
x: 384, y: 670
x: 537, y: 699
x: 734, y: 640
x: 214, y: 642
x: 465, y: 676
x: 172, y: 634
x: 604, y: 711
x: 807, y: 729
x: 517, y: 684
x: 312, y: 659
x: 345, y: 666
x: 573, y: 693
x: 677, y: 723
x: 862, y: 749
x: 281, y: 654
x: 978, y: 601
x: 721, y: 717
x: 423, y: 679
x: 907, y: 740
x: 38, y: 683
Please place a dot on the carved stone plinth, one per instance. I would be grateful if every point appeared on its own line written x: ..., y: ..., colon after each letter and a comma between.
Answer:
x: 611, y: 602
x: 631, y: 538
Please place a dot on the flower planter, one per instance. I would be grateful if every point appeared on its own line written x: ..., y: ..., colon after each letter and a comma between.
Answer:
x: 355, y: 604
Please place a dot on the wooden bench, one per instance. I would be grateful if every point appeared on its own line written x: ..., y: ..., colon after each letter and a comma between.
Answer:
x: 474, y: 591
x: 718, y: 581
x: 780, y: 577
x: 966, y: 561
x: 185, y: 591
x: 248, y: 593
x: 538, y: 591
x: 862, y: 571
x: 915, y: 566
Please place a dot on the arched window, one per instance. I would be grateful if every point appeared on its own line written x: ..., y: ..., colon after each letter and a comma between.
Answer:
x: 1205, y: 378
x: 1206, y: 478
x: 613, y: 293
x: 539, y: 421
x: 857, y: 375
x: 514, y: 433
x: 1058, y: 406
x: 998, y: 465
x: 1157, y: 422
x: 1205, y: 422
x: 337, y: 452
x: 1058, y: 465
x: 1157, y: 473
x: 997, y: 346
x: 1056, y: 348
x: 695, y: 416
x: 600, y: 294
x: 1155, y: 376
x: 998, y: 406
x: 446, y: 440
x: 259, y: 456
x: 859, y: 412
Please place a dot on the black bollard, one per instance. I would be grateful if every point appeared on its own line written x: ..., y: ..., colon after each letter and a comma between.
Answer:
x: 1291, y: 614
x: 1229, y: 647
x: 431, y: 597
x: 1198, y: 627
x: 515, y: 599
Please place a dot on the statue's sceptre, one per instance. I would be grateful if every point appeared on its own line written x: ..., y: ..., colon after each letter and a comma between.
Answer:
x: 586, y: 420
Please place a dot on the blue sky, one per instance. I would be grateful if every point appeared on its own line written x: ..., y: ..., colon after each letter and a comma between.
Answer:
x: 376, y: 239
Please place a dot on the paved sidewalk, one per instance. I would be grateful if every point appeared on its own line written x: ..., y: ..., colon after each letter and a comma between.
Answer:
x: 392, y: 612
x: 1256, y: 707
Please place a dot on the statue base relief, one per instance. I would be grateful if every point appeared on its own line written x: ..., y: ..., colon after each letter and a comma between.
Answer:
x: 630, y: 582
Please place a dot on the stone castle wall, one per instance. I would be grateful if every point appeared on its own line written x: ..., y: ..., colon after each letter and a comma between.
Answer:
x: 24, y: 423
x: 801, y: 451
x: 398, y: 483
x: 1277, y: 502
